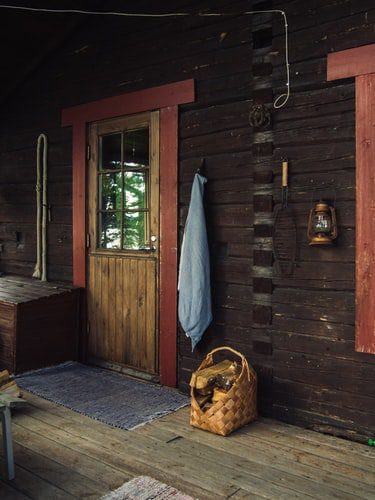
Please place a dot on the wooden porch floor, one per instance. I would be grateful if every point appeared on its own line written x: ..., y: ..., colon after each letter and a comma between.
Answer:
x: 61, y: 454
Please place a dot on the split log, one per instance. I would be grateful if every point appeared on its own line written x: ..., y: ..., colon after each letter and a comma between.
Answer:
x: 8, y: 385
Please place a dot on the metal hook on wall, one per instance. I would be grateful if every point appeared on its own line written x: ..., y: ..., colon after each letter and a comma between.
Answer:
x: 202, y: 168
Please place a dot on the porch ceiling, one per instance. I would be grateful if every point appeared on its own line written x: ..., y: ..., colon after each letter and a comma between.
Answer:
x: 27, y: 38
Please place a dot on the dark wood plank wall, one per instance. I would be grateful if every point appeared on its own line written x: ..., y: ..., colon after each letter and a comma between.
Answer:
x: 217, y: 128
x: 105, y: 57
x: 297, y: 332
x: 319, y: 379
x: 108, y: 56
x: 18, y: 200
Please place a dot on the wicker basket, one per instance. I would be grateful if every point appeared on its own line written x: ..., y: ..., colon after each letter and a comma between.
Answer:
x: 237, y: 408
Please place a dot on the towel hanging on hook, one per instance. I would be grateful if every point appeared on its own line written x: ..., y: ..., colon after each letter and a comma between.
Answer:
x: 194, y: 302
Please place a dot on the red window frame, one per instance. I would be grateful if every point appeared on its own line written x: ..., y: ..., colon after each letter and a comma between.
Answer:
x: 360, y: 63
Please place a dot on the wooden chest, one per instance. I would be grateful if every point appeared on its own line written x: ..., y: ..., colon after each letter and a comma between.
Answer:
x: 38, y: 323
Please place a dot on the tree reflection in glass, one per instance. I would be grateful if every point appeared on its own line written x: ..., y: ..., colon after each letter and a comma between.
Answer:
x: 110, y: 231
x: 111, y: 191
x: 134, y: 230
x: 123, y: 179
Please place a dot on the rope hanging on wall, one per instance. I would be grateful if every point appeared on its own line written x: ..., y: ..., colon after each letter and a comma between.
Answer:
x: 279, y: 102
x: 40, y: 270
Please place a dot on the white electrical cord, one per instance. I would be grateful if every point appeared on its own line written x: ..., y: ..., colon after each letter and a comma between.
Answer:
x: 279, y: 102
x: 283, y: 97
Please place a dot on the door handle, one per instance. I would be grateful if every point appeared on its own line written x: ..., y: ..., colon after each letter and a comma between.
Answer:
x: 153, y: 239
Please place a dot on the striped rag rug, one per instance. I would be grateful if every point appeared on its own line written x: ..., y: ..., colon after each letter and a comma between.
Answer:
x: 146, y: 488
x: 109, y: 397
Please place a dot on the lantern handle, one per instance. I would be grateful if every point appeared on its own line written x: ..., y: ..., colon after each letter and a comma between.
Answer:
x: 314, y: 190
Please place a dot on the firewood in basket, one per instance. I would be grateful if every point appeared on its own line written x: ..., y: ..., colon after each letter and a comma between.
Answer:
x: 207, y: 376
x: 202, y: 400
x: 226, y: 379
x: 205, y: 391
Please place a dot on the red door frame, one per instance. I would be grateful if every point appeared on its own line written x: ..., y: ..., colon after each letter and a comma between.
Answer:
x: 360, y: 63
x: 165, y: 98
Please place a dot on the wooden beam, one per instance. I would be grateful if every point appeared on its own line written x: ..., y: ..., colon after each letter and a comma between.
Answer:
x: 365, y: 213
x: 168, y: 245
x: 133, y: 102
x: 79, y: 204
x: 351, y: 62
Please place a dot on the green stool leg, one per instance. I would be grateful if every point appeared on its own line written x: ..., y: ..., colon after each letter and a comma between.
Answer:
x: 7, y: 442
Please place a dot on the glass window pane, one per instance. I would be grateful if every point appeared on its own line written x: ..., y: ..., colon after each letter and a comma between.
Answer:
x: 110, y: 191
x: 137, y: 148
x: 110, y: 230
x: 110, y: 152
x: 135, y: 190
x: 134, y: 230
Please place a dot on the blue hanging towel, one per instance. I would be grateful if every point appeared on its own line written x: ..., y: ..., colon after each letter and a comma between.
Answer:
x: 194, y: 303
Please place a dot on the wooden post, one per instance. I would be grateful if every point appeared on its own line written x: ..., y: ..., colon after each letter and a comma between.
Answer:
x: 365, y: 214
x: 79, y: 204
x: 7, y: 441
x: 168, y: 245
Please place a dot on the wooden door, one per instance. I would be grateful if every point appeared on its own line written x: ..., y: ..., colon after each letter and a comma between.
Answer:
x: 123, y: 236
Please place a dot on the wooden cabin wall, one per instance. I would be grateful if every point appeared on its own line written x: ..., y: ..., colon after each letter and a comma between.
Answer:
x: 109, y: 56
x: 318, y: 378
x: 18, y: 199
x: 105, y: 57
x: 298, y: 332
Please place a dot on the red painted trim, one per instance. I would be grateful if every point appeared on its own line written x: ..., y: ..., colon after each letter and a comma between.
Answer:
x: 133, y: 102
x: 360, y: 62
x: 166, y: 98
x: 351, y: 62
x: 79, y: 204
x: 365, y: 213
x: 168, y: 245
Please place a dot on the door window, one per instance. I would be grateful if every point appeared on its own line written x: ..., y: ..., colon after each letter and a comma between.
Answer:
x: 123, y: 211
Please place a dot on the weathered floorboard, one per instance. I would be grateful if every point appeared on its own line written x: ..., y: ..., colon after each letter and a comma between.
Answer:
x: 62, y: 454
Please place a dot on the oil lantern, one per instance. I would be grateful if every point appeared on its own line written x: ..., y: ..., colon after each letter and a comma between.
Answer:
x: 322, y: 226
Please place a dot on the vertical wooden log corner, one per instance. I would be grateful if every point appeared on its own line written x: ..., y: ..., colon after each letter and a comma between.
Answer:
x: 360, y: 63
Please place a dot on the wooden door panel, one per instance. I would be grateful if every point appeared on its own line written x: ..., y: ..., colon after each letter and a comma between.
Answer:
x: 122, y: 311
x: 123, y: 284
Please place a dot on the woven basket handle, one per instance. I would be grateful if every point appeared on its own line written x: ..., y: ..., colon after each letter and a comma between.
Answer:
x: 243, y: 359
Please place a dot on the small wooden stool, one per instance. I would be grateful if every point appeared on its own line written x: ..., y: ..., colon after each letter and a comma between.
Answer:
x: 6, y: 403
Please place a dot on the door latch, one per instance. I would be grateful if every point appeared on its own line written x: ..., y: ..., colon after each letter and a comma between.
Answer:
x: 152, y: 248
